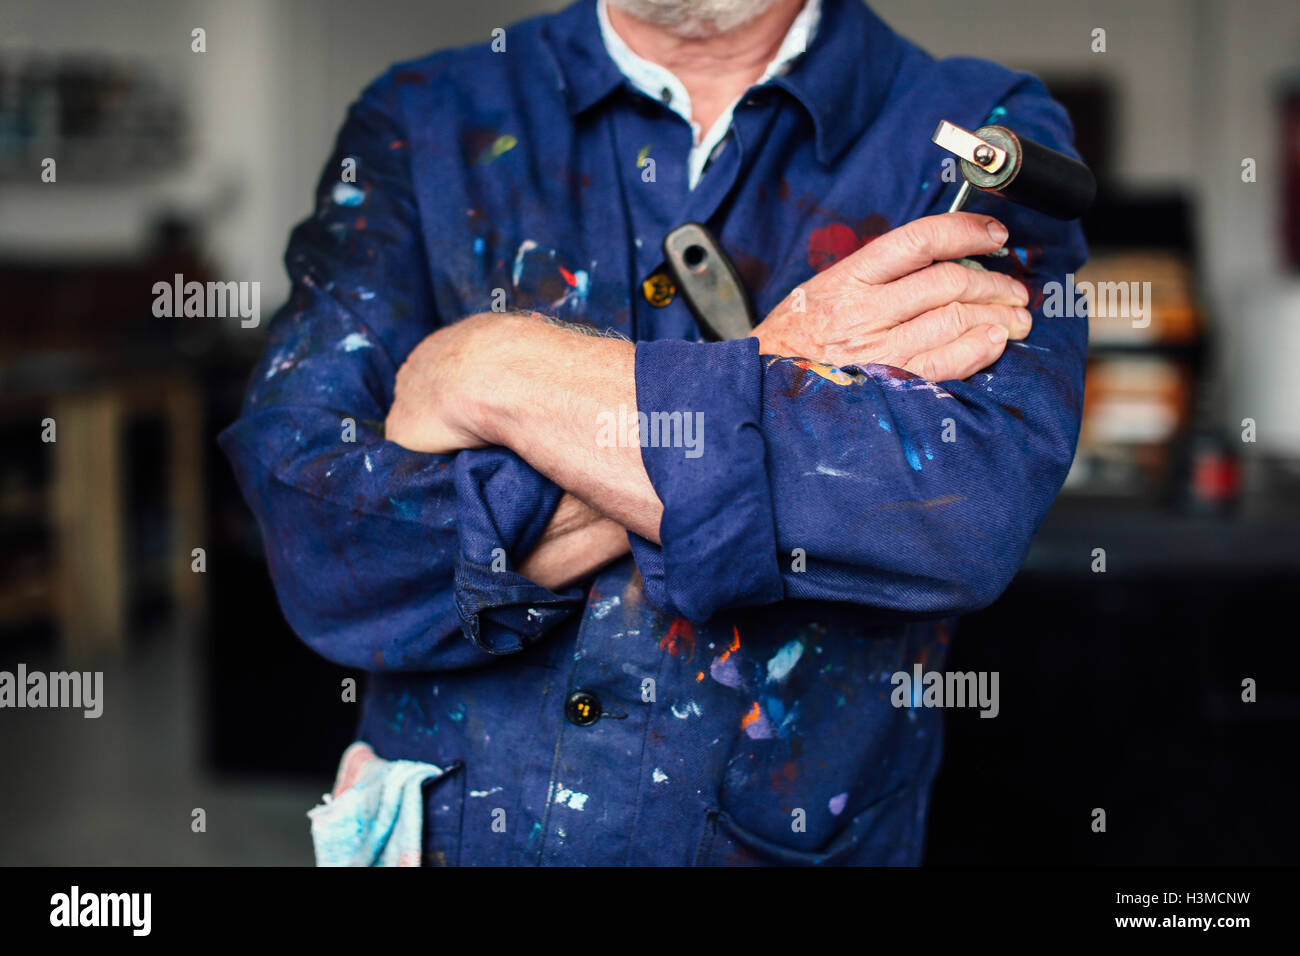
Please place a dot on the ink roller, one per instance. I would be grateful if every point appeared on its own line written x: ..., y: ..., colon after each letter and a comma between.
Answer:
x: 997, y: 161
x: 993, y: 159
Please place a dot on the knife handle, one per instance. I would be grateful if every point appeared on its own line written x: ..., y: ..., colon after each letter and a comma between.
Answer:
x: 709, y: 282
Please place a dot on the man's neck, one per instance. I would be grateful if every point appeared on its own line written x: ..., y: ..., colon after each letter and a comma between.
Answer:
x: 715, y: 70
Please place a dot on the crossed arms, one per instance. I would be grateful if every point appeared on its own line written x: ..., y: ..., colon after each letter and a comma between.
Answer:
x: 912, y: 468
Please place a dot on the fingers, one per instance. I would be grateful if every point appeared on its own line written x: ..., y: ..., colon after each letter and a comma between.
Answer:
x: 945, y: 282
x: 970, y: 352
x: 919, y: 243
x: 938, y: 327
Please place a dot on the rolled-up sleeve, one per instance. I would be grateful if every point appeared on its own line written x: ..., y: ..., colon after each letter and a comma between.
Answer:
x: 382, y: 558
x: 870, y: 485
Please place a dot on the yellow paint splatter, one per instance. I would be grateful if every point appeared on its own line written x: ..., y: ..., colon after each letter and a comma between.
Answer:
x: 641, y: 156
x: 500, y: 146
x: 828, y: 372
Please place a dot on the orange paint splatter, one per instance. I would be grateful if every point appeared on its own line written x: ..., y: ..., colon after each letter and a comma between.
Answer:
x: 569, y: 277
x: 749, y: 718
x: 699, y: 677
x: 735, y: 646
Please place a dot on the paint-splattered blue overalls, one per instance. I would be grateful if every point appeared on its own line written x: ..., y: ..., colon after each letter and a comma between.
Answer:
x: 724, y: 698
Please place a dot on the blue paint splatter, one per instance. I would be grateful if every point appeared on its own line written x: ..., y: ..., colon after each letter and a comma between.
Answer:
x: 909, y: 450
x: 345, y: 194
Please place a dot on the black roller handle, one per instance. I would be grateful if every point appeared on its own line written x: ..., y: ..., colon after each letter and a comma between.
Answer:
x: 999, y: 161
x: 1050, y: 182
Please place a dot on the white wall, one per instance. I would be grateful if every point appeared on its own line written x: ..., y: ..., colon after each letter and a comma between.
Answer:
x: 267, y: 98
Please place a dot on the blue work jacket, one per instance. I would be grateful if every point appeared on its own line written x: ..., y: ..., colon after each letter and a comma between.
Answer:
x: 724, y: 697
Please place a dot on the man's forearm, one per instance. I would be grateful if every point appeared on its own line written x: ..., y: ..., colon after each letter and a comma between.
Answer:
x: 543, y: 398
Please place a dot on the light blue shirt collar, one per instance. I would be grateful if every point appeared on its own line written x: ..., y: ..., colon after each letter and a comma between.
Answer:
x: 660, y: 83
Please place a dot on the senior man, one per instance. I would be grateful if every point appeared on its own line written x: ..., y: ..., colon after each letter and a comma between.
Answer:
x: 627, y: 650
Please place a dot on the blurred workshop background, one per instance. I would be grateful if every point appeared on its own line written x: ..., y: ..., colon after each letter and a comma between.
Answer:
x: 1122, y: 693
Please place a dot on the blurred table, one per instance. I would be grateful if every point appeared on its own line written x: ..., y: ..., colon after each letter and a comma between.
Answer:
x: 86, y: 499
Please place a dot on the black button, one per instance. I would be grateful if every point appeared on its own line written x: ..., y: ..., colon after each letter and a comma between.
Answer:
x: 582, y: 708
x: 666, y: 96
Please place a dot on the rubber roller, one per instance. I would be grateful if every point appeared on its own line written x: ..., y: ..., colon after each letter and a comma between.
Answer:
x: 998, y: 161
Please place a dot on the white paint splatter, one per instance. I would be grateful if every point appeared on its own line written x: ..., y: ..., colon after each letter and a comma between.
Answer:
x: 833, y: 472
x: 600, y: 609
x: 355, y: 340
x: 517, y: 271
x: 278, y: 365
x: 485, y: 793
x: 659, y: 776
x: 783, y: 661
x: 573, y: 799
x: 345, y: 194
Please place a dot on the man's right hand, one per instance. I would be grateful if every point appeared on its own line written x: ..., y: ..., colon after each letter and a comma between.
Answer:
x: 901, y: 301
x: 577, y: 542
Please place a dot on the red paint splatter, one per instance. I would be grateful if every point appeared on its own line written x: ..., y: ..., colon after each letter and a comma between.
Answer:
x: 782, y: 780
x: 752, y: 270
x: 830, y: 244
x: 680, y: 639
x: 569, y: 277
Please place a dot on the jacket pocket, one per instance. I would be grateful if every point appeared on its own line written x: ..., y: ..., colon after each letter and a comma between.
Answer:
x: 724, y: 842
x: 444, y: 820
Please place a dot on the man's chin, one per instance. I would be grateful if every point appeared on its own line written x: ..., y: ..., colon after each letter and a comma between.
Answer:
x: 696, y: 19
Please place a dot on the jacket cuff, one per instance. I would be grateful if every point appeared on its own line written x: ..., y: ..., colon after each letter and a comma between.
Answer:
x: 503, y: 506
x: 699, y: 410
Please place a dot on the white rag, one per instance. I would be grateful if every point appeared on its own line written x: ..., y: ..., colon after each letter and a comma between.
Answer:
x: 375, y: 816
